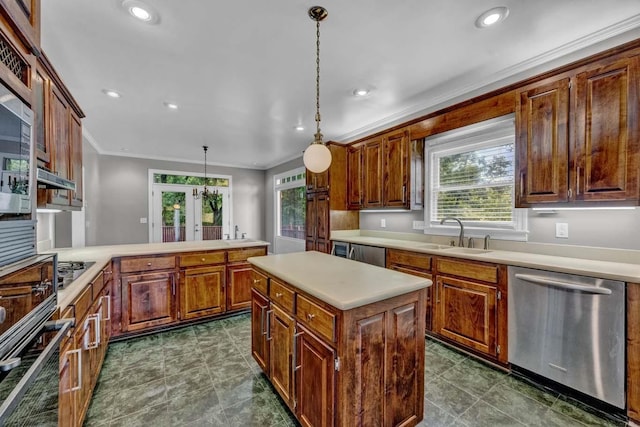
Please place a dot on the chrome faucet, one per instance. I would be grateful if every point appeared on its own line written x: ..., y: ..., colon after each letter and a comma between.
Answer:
x: 461, y: 237
x: 235, y: 232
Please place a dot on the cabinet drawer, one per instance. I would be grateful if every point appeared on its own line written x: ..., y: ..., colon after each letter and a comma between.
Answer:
x: 471, y: 270
x: 260, y: 282
x: 281, y: 295
x: 128, y: 265
x: 316, y: 317
x: 202, y: 259
x: 414, y: 260
x: 98, y: 284
x: 238, y: 255
x: 82, y: 303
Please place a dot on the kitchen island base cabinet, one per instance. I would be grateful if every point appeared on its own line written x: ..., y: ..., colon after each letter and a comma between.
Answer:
x: 358, y: 367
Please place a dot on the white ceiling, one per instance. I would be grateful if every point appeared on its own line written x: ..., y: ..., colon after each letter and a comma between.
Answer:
x: 243, y: 71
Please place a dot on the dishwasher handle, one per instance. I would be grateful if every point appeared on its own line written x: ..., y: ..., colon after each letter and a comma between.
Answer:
x: 540, y: 280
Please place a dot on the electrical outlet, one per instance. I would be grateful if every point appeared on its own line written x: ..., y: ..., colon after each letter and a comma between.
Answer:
x: 418, y: 225
x: 562, y: 230
x: 383, y: 223
x: 143, y: 220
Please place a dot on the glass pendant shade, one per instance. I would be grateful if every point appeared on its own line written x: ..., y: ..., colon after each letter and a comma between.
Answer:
x: 317, y: 158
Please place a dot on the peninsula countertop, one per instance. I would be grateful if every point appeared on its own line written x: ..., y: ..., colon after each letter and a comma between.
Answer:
x: 342, y: 283
x: 102, y: 255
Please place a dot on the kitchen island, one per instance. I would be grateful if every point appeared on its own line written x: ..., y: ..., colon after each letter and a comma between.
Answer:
x: 341, y: 341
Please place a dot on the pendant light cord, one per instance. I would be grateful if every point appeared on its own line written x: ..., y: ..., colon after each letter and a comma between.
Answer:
x: 318, y: 136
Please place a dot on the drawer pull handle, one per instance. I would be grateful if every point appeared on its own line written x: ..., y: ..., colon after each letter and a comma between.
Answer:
x: 310, y: 316
x: 278, y: 294
x: 257, y: 280
x: 203, y: 259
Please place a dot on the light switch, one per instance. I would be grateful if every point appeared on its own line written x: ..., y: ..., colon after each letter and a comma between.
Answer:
x: 562, y: 230
x: 143, y: 220
x: 418, y: 225
x: 383, y: 223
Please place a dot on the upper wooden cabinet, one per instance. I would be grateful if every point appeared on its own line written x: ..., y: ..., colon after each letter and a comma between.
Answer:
x: 542, y: 132
x: 382, y: 172
x: 25, y: 16
x: 606, y: 163
x: 578, y: 136
x: 58, y: 136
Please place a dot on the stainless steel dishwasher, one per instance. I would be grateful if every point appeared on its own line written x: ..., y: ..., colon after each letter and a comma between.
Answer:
x: 570, y: 329
x: 369, y: 254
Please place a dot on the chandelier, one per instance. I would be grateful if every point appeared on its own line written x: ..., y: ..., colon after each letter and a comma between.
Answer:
x: 205, y: 193
x: 317, y: 157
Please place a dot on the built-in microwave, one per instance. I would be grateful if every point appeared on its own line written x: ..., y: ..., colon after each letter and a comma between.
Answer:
x: 16, y: 121
x: 341, y: 249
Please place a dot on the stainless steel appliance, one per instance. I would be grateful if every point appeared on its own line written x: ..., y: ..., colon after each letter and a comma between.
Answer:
x: 29, y: 342
x: 570, y: 329
x: 341, y: 249
x: 16, y: 120
x: 368, y: 254
x: 68, y: 271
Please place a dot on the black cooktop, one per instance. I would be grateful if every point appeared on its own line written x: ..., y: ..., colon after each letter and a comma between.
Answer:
x: 68, y: 271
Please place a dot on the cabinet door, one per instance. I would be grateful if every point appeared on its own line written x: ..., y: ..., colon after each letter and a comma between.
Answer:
x: 607, y: 155
x: 259, y: 324
x: 373, y: 173
x: 311, y: 218
x: 315, y: 380
x: 239, y: 286
x: 41, y: 90
x: 354, y: 177
x: 202, y: 291
x: 68, y: 383
x: 317, y: 222
x: 396, y: 169
x: 75, y: 148
x: 322, y: 217
x: 59, y: 144
x: 317, y: 181
x: 466, y: 313
x: 148, y: 300
x: 17, y: 302
x: 542, y: 144
x: 281, y: 332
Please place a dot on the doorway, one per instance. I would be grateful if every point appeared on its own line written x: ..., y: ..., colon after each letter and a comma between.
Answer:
x: 177, y: 216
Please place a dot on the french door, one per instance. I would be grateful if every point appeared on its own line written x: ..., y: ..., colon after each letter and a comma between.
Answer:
x: 177, y: 216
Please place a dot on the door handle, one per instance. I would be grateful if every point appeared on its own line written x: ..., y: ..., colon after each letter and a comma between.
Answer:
x: 539, y: 280
x: 268, y: 331
x: 108, y: 317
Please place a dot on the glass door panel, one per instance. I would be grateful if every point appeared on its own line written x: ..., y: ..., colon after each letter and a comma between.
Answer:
x: 173, y: 214
x: 211, y: 215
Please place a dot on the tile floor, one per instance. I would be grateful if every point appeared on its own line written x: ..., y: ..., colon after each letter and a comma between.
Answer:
x: 204, y: 375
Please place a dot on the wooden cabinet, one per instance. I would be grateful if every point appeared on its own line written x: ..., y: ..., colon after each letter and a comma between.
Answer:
x: 25, y: 15
x: 362, y: 366
x: 315, y: 406
x: 240, y: 277
x: 148, y: 300
x: 317, y: 222
x: 355, y: 197
x: 373, y: 175
x: 259, y: 328
x: 382, y: 172
x: 606, y: 163
x: 542, y: 129
x: 470, y: 306
x: 578, y: 136
x: 69, y: 382
x: 202, y: 291
x: 58, y: 136
x: 327, y: 202
x: 417, y: 264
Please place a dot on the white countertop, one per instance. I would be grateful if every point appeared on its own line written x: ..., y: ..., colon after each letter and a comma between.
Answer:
x: 626, y: 272
x: 340, y: 282
x: 102, y: 255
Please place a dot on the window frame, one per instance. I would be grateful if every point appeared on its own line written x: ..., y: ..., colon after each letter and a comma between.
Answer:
x: 480, y: 135
x: 295, y: 183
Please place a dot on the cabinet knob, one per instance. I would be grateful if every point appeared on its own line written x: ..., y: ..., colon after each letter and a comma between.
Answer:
x: 148, y: 264
x: 310, y: 316
x: 203, y: 259
x: 278, y: 294
x: 257, y: 280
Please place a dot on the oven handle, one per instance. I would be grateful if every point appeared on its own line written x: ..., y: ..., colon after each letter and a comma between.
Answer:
x: 539, y: 280
x: 16, y: 395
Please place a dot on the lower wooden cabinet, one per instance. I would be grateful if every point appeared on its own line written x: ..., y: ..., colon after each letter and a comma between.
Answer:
x: 358, y: 367
x: 69, y: 382
x: 240, y: 278
x: 148, y: 300
x: 202, y: 291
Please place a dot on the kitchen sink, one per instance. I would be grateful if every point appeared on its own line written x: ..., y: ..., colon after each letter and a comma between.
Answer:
x: 236, y: 241
x: 460, y: 250
x: 431, y: 246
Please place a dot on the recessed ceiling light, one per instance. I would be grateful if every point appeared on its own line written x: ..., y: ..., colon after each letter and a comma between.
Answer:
x: 171, y: 105
x: 492, y: 17
x: 299, y: 128
x: 141, y: 11
x: 111, y: 93
x: 361, y: 92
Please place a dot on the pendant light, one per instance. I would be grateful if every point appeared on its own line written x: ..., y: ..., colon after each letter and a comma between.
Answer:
x: 317, y: 157
x: 205, y: 193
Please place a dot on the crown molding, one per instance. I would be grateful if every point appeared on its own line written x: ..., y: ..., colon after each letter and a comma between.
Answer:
x: 468, y: 87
